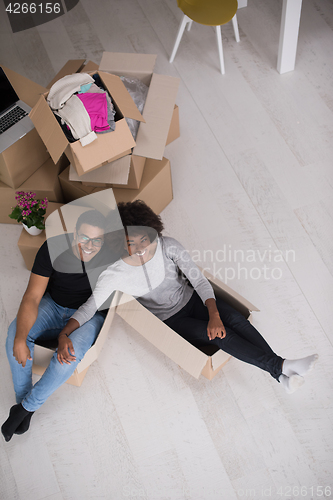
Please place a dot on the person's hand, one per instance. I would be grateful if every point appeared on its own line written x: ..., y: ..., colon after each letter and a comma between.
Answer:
x: 215, y: 328
x: 65, y: 352
x: 21, y: 352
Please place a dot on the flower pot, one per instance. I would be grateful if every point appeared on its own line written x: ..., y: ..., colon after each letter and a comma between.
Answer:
x: 33, y: 230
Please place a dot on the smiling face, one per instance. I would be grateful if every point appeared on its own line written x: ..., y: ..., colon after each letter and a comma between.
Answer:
x: 139, y: 247
x: 88, y: 241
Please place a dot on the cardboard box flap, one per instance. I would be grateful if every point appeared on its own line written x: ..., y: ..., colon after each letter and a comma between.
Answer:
x: 158, y: 111
x: 219, y: 358
x: 89, y: 157
x: 161, y: 336
x: 28, y: 91
x: 89, y: 66
x: 120, y: 94
x: 241, y: 301
x: 127, y: 64
x: 93, y: 353
x: 48, y: 129
x: 71, y: 66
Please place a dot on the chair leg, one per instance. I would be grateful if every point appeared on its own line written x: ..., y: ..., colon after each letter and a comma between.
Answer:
x: 219, y: 45
x: 181, y: 29
x: 189, y: 25
x: 235, y: 26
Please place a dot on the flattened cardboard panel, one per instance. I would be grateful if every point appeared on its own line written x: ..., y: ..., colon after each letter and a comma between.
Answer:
x: 103, y: 149
x: 71, y: 66
x: 127, y: 64
x: 152, y: 135
x: 114, y: 172
x: 120, y: 94
x: 48, y: 129
x: 161, y: 336
x: 27, y: 90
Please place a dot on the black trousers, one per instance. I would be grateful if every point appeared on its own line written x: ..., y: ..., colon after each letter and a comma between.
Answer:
x: 242, y: 341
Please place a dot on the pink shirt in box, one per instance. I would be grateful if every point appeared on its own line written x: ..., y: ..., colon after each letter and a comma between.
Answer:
x: 97, y: 109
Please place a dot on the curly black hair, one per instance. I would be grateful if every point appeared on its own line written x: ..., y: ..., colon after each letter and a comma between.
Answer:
x: 137, y: 213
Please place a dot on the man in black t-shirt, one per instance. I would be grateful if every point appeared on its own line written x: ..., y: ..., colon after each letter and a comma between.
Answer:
x: 64, y: 273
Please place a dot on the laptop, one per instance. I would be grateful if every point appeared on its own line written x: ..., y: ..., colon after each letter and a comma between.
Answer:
x: 14, y: 119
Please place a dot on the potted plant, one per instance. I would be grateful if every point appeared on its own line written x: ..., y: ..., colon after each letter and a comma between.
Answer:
x: 30, y: 212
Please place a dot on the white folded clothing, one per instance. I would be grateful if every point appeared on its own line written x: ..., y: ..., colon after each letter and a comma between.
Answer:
x: 75, y: 115
x: 64, y: 88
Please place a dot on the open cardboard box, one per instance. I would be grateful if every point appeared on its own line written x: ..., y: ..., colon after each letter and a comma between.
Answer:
x: 43, y: 355
x: 160, y: 114
x: 107, y: 147
x: 120, y: 173
x: 206, y: 361
x: 191, y: 359
x: 22, y: 159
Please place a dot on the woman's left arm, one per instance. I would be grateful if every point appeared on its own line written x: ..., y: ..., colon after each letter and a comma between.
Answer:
x: 204, y: 289
x: 215, y: 327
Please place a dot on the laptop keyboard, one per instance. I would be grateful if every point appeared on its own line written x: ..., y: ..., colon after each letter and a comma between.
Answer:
x: 13, y: 116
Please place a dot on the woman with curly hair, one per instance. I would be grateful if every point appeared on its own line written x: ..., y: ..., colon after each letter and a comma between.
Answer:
x: 160, y: 273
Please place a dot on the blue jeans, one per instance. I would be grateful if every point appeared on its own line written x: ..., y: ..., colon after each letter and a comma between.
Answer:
x: 242, y: 341
x: 50, y: 321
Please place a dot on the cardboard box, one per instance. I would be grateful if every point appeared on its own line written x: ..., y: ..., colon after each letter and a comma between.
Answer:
x: 159, y: 106
x: 44, y: 182
x: 155, y: 188
x: 29, y: 245
x: 124, y: 173
x: 195, y: 361
x: 107, y: 147
x: 121, y: 173
x: 43, y: 354
x: 72, y: 190
x: 22, y: 159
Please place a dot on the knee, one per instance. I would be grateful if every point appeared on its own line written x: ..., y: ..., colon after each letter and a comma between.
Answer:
x: 10, y: 338
x: 60, y: 369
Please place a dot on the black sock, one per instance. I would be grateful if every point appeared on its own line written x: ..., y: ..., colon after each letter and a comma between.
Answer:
x: 24, y: 425
x: 16, y: 415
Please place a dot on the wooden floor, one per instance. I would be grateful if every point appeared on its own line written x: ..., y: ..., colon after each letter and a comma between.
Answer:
x: 252, y: 172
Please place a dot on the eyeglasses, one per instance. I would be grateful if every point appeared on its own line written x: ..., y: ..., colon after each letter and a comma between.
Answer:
x: 96, y: 242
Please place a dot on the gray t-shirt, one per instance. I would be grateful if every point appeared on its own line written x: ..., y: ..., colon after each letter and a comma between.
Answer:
x: 158, y: 284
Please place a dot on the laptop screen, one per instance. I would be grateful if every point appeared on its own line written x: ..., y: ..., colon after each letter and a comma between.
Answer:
x: 8, y: 96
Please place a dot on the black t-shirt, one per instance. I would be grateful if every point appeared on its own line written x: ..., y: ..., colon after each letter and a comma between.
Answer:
x: 71, y: 280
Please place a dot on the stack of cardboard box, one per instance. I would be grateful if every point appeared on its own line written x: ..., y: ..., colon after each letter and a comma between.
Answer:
x: 26, y: 165
x: 44, y: 161
x: 135, y: 169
